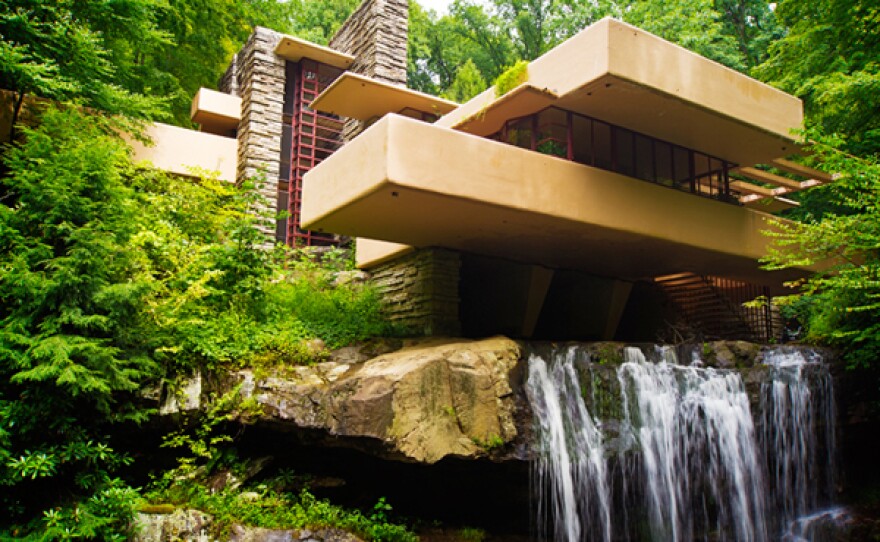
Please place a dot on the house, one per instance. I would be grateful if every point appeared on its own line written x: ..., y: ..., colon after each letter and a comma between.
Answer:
x: 618, y: 189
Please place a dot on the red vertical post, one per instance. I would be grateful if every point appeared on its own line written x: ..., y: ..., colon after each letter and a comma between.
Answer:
x: 315, y: 137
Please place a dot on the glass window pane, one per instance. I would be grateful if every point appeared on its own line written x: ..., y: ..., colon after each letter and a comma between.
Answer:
x: 644, y: 158
x: 663, y: 152
x: 519, y: 133
x: 552, y: 137
x: 602, y: 146
x: 623, y: 151
x: 682, y: 168
x: 582, y: 139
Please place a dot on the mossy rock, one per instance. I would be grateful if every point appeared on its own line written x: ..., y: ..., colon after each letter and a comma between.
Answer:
x: 162, y: 508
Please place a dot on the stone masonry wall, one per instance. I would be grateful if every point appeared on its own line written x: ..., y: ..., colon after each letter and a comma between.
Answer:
x: 376, y: 34
x: 420, y: 291
x: 229, y: 81
x: 260, y: 78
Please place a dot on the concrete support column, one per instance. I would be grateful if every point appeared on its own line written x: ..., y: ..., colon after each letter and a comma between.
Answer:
x: 539, y: 283
x: 620, y: 291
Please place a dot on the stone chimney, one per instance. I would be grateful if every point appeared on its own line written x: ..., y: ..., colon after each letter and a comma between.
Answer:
x: 376, y: 35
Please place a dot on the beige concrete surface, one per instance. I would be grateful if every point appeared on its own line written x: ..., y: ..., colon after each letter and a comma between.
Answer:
x: 519, y: 102
x: 359, y: 97
x: 408, y: 182
x: 215, y: 112
x: 178, y: 150
x: 296, y: 49
x: 372, y: 252
x: 620, y: 74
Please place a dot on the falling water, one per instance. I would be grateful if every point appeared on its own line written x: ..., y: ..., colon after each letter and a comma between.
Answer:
x: 798, y: 414
x: 681, y: 458
x: 571, y: 462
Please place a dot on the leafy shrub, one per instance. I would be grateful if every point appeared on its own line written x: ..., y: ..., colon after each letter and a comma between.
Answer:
x: 265, y: 507
x: 106, y: 515
x: 512, y: 77
x: 114, y: 277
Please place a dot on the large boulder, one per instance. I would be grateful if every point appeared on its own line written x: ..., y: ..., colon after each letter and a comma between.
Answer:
x: 429, y: 400
x: 194, y: 526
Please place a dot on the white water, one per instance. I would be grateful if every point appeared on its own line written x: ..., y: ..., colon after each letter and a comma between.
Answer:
x: 571, y: 461
x: 798, y: 413
x: 811, y: 528
x: 683, y: 461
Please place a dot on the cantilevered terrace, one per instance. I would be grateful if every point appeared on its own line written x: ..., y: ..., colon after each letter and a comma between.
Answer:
x: 642, y: 142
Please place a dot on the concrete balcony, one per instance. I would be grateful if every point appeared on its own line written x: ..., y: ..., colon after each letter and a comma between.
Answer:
x: 186, y: 152
x: 403, y: 181
x: 216, y: 112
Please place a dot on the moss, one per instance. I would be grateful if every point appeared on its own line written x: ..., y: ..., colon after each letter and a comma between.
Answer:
x: 470, y: 534
x: 605, y: 399
x: 609, y: 354
x: 512, y: 77
x: 147, y: 508
x: 491, y: 443
x: 709, y: 355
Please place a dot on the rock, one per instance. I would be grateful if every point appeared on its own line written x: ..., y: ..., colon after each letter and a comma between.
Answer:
x: 364, y: 351
x: 315, y: 347
x: 354, y: 276
x: 256, y: 534
x: 183, y: 398
x: 180, y: 525
x: 193, y: 526
x: 348, y: 355
x: 730, y: 354
x: 432, y: 399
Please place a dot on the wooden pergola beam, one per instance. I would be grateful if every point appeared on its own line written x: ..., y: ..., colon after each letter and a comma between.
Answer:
x: 770, y: 178
x: 804, y: 171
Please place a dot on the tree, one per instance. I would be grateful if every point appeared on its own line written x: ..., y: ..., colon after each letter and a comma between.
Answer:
x: 693, y: 24
x: 733, y: 32
x: 439, y: 47
x: 318, y: 20
x: 67, y: 299
x: 753, y: 25
x: 830, y: 58
x: 78, y: 50
x: 467, y: 83
x: 840, y: 305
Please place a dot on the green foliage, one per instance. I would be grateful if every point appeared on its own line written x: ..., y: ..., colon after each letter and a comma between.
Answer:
x: 490, y: 443
x: 829, y: 58
x: 106, y: 515
x: 319, y: 20
x: 840, y: 304
x: 264, y: 507
x: 470, y: 534
x: 439, y: 47
x: 736, y: 33
x: 752, y: 24
x: 80, y: 50
x: 113, y: 277
x: 67, y: 298
x: 338, y: 312
x: 694, y: 24
x: 512, y: 77
x: 208, y: 448
x: 468, y: 83
x: 609, y: 354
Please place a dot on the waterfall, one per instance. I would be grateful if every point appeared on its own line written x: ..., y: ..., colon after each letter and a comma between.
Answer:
x: 798, y: 418
x: 677, y: 456
x: 571, y: 460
